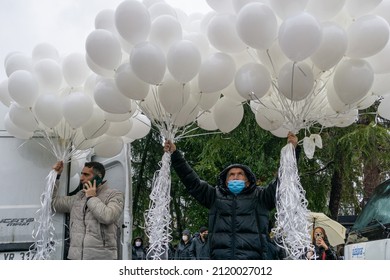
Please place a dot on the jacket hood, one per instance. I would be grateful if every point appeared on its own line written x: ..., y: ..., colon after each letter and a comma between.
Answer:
x: 248, y: 172
x: 138, y: 238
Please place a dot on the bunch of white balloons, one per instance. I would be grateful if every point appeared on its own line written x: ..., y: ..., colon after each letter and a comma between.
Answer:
x: 299, y: 64
x: 52, y: 97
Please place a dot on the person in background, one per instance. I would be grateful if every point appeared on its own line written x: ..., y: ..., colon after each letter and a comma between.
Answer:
x: 138, y: 250
x: 183, y: 248
x: 239, y: 210
x: 200, y: 249
x: 322, y: 248
x: 94, y: 214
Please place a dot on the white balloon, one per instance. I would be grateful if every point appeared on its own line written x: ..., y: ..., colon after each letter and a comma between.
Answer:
x: 161, y: 8
x: 148, y: 62
x: 269, y: 119
x: 332, y: 48
x: 5, y: 98
x: 252, y: 81
x: 108, y: 146
x: 273, y: 58
x: 165, y: 30
x: 183, y: 60
x: 75, y: 69
x: 97, y: 124
x: 380, y: 62
x: 23, y: 88
x: 239, y: 4
x: 17, y: 61
x: 48, y: 109
x: 357, y: 8
x: 205, y: 120
x: 227, y: 114
x: 216, y: 72
x: 172, y: 94
x: 383, y: 10
x: 99, y: 70
x: 300, y: 36
x: 110, y: 99
x: 367, y: 36
x: 200, y: 41
x: 384, y: 107
x: 22, y: 117
x: 44, y: 51
x: 120, y: 128
x: 257, y: 26
x: 352, y: 80
x: 48, y: 74
x: 221, y: 6
x: 129, y: 84
x: 140, y: 128
x: 288, y: 8
x: 80, y: 142
x: 187, y: 113
x: 132, y: 21
x: 281, y: 132
x: 105, y: 19
x: 14, y: 130
x: 380, y: 86
x: 120, y: 117
x: 206, y: 101
x: 77, y: 108
x: 231, y: 92
x: 324, y: 10
x: 222, y: 34
x: 104, y: 49
x: 296, y: 80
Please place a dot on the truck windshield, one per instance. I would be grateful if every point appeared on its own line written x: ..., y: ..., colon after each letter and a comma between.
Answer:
x: 377, y: 210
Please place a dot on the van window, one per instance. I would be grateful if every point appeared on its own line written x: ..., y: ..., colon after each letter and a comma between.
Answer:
x: 377, y: 211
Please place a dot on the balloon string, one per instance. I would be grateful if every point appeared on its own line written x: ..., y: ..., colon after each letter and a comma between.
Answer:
x: 292, y: 225
x: 158, y: 217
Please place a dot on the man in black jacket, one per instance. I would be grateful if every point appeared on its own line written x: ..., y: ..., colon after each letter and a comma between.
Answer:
x: 238, y: 209
x: 200, y: 249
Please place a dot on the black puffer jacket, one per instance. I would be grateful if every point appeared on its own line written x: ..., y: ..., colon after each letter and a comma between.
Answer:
x: 238, y: 224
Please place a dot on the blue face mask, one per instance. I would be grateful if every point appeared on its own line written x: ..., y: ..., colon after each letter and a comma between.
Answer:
x: 236, y: 186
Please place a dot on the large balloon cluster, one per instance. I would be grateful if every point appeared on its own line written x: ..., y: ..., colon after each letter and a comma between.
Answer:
x: 50, y: 98
x: 299, y: 64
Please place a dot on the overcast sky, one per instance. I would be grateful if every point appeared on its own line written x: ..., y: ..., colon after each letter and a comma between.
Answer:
x: 63, y: 23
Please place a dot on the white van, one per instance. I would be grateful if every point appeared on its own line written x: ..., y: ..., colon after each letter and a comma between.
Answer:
x: 24, y: 166
x: 369, y: 237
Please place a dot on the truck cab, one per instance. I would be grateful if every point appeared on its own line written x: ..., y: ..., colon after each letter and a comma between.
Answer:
x: 369, y: 237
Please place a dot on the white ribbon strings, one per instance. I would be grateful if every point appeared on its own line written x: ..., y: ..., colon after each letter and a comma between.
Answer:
x: 44, y: 233
x: 158, y: 217
x: 292, y: 217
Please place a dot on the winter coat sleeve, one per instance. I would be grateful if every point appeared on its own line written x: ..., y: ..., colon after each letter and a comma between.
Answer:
x: 61, y: 204
x: 107, y: 213
x: 199, y: 189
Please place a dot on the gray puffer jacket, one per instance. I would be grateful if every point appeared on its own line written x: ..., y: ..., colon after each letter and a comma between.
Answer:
x: 93, y: 224
x: 238, y: 224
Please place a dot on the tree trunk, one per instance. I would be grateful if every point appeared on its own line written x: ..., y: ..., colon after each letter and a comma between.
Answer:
x: 335, y: 194
x: 371, y: 179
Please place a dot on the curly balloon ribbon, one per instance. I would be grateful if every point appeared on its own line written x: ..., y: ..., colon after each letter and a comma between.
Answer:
x: 44, y: 234
x: 158, y: 217
x: 292, y: 217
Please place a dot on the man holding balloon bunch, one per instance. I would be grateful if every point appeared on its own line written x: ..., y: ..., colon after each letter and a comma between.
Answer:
x: 238, y: 208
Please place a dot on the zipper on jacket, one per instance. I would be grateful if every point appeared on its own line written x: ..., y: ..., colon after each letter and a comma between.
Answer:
x: 85, y: 229
x: 233, y: 227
